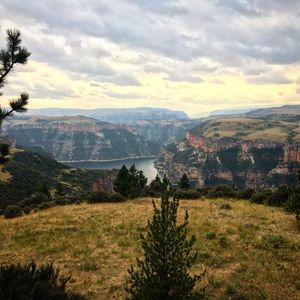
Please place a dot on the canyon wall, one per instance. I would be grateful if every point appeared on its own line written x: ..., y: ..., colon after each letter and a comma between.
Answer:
x: 244, y: 163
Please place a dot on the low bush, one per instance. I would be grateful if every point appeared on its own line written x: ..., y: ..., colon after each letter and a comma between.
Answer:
x: 245, y: 194
x: 221, y: 191
x: 34, y: 200
x: 187, y: 194
x: 155, y: 189
x: 225, y: 206
x: 27, y: 210
x: 44, y: 205
x: 293, y: 203
x: 271, y: 241
x: 211, y: 235
x: 278, y: 197
x: 29, y: 282
x: 261, y: 197
x: 62, y: 201
x: 100, y: 197
x: 12, y: 211
x: 224, y: 241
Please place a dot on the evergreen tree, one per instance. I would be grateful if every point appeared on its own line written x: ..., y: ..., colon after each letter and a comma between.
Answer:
x: 166, y: 183
x: 142, y: 180
x: 130, y: 183
x: 9, y: 57
x: 156, y: 187
x: 164, y: 272
x: 184, y: 182
x: 122, y: 182
x: 157, y: 179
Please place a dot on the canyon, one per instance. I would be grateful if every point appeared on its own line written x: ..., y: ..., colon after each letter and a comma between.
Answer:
x: 244, y: 152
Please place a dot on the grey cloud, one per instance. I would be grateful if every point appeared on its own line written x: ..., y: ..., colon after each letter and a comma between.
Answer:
x: 166, y: 7
x: 229, y: 33
x: 269, y: 78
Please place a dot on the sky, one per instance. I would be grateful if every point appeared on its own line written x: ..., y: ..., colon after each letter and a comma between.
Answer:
x: 191, y: 55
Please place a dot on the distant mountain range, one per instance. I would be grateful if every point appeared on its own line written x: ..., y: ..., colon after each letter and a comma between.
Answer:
x: 115, y: 115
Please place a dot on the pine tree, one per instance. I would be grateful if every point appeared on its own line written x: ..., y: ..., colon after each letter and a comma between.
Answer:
x: 122, y: 182
x: 164, y: 272
x: 184, y: 182
x: 9, y: 57
x: 166, y: 183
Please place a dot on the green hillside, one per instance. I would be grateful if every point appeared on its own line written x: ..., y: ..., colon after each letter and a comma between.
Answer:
x: 25, y: 172
x: 249, y: 251
x: 250, y: 129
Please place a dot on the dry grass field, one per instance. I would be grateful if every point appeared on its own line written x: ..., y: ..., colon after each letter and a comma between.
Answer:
x: 249, y: 251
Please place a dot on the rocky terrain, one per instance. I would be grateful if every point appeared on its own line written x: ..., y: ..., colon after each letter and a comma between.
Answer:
x: 164, y: 132
x: 246, y: 152
x: 161, y: 126
x: 79, y: 138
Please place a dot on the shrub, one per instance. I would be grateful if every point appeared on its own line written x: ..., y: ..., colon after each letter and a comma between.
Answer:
x: 62, y: 201
x: 293, y: 203
x: 34, y: 200
x: 27, y: 210
x: 225, y: 206
x: 211, y: 235
x: 100, y: 197
x: 245, y: 194
x: 187, y: 194
x: 271, y: 241
x: 156, y: 187
x: 12, y: 211
x: 279, y: 197
x: 221, y: 191
x: 28, y: 282
x: 223, y: 241
x: 261, y: 197
x: 44, y: 205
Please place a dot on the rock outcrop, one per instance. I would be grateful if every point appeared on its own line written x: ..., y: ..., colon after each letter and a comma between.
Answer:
x: 226, y: 158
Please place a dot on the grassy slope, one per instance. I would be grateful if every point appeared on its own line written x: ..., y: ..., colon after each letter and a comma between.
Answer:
x: 249, y: 129
x: 99, y: 242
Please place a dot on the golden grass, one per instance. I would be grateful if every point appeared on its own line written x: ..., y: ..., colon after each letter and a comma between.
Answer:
x: 98, y: 243
x: 4, y: 175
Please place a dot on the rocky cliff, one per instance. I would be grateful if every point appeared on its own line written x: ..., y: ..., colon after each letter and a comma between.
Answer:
x: 79, y: 138
x: 164, y: 132
x: 241, y: 151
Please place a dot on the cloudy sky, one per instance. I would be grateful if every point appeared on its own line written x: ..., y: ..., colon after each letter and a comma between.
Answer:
x: 191, y: 55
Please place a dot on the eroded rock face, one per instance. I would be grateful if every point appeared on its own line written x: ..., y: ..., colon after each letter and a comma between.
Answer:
x: 80, y: 138
x: 208, y: 161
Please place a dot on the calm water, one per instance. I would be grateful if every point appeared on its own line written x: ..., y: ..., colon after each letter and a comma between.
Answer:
x: 144, y: 164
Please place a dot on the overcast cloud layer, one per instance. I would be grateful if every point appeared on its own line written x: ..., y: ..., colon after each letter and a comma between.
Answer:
x: 190, y: 55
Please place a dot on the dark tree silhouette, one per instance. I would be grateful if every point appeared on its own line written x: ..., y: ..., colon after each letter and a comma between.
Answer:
x: 9, y: 57
x: 184, y: 182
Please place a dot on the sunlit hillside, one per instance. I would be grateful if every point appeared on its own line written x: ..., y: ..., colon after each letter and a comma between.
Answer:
x: 249, y: 251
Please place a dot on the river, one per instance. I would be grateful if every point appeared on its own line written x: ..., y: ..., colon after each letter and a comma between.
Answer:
x: 144, y: 164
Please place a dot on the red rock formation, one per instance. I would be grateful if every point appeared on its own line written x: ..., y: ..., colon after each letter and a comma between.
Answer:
x: 291, y: 153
